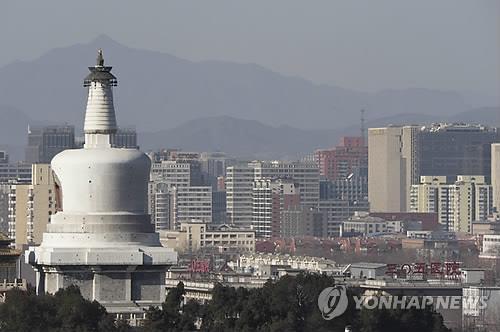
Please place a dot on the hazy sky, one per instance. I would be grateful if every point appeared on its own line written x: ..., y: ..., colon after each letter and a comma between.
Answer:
x: 367, y: 45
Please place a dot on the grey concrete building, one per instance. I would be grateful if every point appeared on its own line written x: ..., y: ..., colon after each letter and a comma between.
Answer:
x: 44, y: 142
x: 239, y: 195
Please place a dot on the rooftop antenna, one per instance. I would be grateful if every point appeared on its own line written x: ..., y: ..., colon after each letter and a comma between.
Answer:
x: 362, y: 126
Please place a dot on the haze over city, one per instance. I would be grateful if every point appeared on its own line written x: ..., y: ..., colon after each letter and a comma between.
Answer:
x: 250, y: 166
x: 444, y: 45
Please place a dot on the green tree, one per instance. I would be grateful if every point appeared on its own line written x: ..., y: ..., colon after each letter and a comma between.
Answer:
x: 172, y: 316
x: 67, y: 310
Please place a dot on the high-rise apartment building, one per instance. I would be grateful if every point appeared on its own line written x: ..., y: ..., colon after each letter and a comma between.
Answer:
x: 398, y: 156
x: 432, y: 195
x: 31, y: 205
x: 347, y: 159
x: 162, y: 205
x: 9, y: 174
x: 270, y: 198
x: 266, y: 207
x: 352, y: 189
x: 172, y: 172
x: 240, y: 184
x: 45, y: 142
x: 125, y: 138
x: 239, y: 195
x: 188, y: 203
x: 457, y: 202
x: 304, y: 174
x: 4, y: 207
x: 195, y: 165
x: 219, y: 212
x: 19, y: 172
x: 495, y: 175
x: 168, y: 180
x: 165, y: 175
x: 213, y: 165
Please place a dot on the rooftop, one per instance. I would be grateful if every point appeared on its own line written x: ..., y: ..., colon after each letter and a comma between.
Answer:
x: 364, y: 265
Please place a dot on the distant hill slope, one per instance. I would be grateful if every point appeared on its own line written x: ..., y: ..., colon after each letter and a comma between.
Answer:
x: 240, y: 138
x: 486, y: 115
x: 253, y: 139
x: 158, y: 91
x: 243, y: 109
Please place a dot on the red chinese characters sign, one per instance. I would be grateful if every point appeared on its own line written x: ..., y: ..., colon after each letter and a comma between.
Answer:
x: 435, y: 269
x: 199, y: 266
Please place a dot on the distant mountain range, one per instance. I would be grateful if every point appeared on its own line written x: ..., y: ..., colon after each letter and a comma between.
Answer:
x: 253, y: 139
x: 242, y: 109
x: 243, y: 138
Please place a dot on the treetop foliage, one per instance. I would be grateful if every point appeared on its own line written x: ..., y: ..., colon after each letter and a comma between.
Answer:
x: 289, y: 304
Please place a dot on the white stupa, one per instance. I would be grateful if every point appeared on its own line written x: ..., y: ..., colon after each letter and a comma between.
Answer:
x: 102, y: 239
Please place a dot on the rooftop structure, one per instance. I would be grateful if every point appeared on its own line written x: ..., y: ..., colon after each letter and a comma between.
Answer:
x: 9, y: 261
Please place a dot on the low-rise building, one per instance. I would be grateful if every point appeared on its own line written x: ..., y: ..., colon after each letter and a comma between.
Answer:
x: 480, y: 308
x: 472, y: 275
x: 257, y: 263
x: 9, y: 272
x: 485, y: 228
x: 412, y: 220
x: 337, y: 211
x: 188, y: 203
x: 367, y: 270
x: 490, y: 225
x: 364, y: 225
x: 432, y: 245
x: 196, y: 235
x: 200, y: 287
x: 491, y: 247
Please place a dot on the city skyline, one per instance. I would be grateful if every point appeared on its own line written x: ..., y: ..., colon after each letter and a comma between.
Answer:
x: 189, y: 194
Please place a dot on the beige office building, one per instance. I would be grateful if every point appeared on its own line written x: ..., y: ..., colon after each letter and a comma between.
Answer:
x: 391, y: 167
x: 31, y: 205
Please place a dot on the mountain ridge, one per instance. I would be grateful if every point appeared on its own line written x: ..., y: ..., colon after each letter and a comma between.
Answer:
x: 160, y: 91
